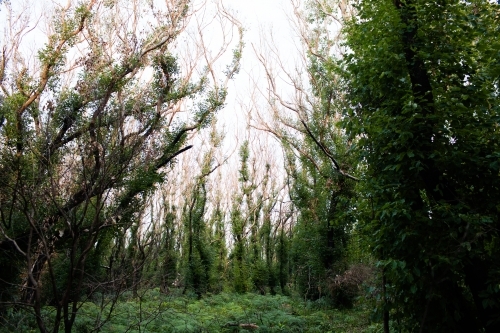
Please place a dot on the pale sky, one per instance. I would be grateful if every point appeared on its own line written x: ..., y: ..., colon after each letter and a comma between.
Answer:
x: 259, y: 17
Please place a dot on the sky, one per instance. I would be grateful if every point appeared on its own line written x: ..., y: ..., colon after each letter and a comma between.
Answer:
x: 260, y: 18
x: 257, y: 16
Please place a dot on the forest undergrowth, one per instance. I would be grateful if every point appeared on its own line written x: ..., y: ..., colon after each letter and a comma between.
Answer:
x: 154, y: 311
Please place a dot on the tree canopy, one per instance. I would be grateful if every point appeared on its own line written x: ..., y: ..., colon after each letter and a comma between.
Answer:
x: 422, y: 83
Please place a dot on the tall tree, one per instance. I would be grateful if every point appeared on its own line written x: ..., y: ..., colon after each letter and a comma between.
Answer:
x: 252, y: 255
x: 218, y: 239
x: 199, y: 253
x: 318, y: 156
x: 241, y: 211
x: 422, y: 79
x: 88, y: 128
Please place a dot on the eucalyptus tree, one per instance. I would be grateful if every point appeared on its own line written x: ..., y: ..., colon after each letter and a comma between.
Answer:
x: 217, y: 225
x: 169, y: 252
x: 200, y: 257
x: 252, y: 257
x: 242, y: 210
x: 198, y: 261
x: 319, y: 159
x: 422, y: 81
x: 89, y: 124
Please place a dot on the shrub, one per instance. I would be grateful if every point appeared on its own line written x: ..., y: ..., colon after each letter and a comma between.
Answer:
x: 345, y: 287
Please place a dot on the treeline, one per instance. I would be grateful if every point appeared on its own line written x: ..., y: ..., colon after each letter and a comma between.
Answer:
x: 188, y: 238
x: 258, y: 241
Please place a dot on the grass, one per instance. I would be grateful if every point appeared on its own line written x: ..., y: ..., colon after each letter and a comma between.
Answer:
x: 157, y: 312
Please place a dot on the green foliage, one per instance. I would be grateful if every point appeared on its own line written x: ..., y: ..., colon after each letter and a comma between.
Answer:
x: 156, y: 312
x: 239, y: 269
x: 168, y: 252
x: 253, y: 258
x: 321, y: 191
x: 282, y: 257
x: 218, y: 274
x: 319, y: 162
x: 422, y: 84
x: 83, y: 148
x: 205, y: 250
x: 239, y: 256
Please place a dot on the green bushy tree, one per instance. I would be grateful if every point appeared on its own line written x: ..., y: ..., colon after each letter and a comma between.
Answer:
x: 198, y: 252
x: 84, y: 140
x: 239, y: 224
x: 169, y: 253
x: 319, y: 158
x: 204, y: 248
x: 218, y: 239
x: 422, y: 81
x: 253, y: 257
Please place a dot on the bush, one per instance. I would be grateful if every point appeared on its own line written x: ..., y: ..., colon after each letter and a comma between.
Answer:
x: 155, y: 312
x: 345, y: 287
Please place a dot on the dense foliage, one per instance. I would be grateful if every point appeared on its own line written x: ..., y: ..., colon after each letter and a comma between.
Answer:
x: 422, y: 81
x: 227, y: 313
x: 83, y: 145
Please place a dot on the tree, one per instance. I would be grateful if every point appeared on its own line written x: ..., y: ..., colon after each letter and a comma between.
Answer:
x: 218, y: 239
x: 169, y: 252
x: 88, y: 129
x: 422, y: 83
x: 243, y: 212
x: 319, y: 157
x: 200, y: 254
x: 252, y: 257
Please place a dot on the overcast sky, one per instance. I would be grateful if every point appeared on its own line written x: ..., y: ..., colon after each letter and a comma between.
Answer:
x: 259, y: 17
